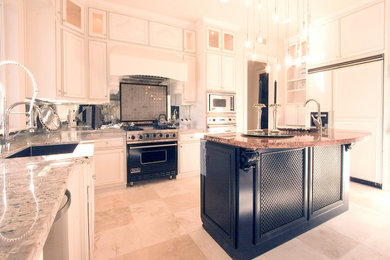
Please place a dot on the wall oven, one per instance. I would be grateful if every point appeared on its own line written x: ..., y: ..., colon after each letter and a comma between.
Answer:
x: 220, y: 103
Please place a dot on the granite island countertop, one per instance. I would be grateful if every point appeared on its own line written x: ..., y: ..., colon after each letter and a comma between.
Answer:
x: 328, y: 137
x: 32, y: 188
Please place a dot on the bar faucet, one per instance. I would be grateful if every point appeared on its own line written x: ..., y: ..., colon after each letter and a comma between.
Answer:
x: 317, y: 121
x: 5, y: 113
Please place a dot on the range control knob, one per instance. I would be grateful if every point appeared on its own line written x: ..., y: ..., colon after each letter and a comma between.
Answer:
x: 147, y: 135
x: 140, y: 137
x: 132, y: 137
x: 161, y: 135
x: 167, y: 135
x: 154, y: 135
x: 230, y: 119
x: 174, y: 135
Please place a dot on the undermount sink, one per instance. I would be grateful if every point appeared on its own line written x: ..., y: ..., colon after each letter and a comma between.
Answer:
x: 39, y: 150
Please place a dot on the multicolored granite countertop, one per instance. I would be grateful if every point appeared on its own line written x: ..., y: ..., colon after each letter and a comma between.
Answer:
x: 328, y: 137
x: 32, y: 188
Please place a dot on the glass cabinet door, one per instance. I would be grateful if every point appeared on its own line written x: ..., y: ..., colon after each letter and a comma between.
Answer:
x: 213, y: 38
x: 228, y: 42
x: 73, y: 14
x: 97, y: 23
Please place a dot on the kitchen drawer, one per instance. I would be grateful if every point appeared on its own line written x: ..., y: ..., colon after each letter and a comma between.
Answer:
x: 111, y: 142
x: 188, y: 137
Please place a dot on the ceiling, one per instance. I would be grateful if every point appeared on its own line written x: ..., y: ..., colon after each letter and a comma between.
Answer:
x: 191, y: 10
x: 233, y: 12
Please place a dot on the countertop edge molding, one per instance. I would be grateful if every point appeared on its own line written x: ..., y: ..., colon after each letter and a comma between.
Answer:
x: 331, y: 137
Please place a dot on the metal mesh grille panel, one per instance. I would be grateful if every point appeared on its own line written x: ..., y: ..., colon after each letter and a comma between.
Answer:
x: 326, y: 176
x: 281, y: 189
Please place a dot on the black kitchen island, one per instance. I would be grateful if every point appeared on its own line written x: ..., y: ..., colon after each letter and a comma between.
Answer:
x: 257, y: 193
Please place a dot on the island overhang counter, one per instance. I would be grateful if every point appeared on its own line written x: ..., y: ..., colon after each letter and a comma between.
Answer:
x: 257, y: 193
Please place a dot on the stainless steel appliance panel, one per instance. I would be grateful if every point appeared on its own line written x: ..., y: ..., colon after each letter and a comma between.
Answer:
x: 220, y: 103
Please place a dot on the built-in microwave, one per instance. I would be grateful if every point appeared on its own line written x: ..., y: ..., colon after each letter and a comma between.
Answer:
x: 220, y: 103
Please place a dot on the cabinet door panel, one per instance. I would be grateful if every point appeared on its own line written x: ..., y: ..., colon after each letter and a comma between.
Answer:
x: 109, y: 173
x: 190, y: 86
x: 166, y: 36
x: 213, y: 71
x: 363, y: 31
x: 73, y: 65
x: 97, y: 70
x: 189, y: 155
x: 324, y: 43
x: 129, y: 29
x: 228, y: 73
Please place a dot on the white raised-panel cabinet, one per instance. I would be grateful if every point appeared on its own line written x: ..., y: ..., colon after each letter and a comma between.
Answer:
x: 189, y: 92
x: 213, y: 71
x: 80, y: 213
x: 358, y: 105
x: 112, y: 174
x: 73, y: 66
x: 324, y: 43
x: 189, y: 157
x: 98, y: 71
x: 363, y: 31
x: 73, y: 15
x: 228, y: 73
x: 319, y: 87
x: 128, y: 29
x: 189, y: 153
x: 165, y: 36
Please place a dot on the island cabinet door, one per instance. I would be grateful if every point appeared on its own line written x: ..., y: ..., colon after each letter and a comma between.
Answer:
x: 280, y: 193
x: 218, y: 192
x: 326, y: 192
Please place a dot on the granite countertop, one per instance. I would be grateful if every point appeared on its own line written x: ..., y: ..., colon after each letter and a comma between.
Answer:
x: 32, y: 188
x: 328, y: 137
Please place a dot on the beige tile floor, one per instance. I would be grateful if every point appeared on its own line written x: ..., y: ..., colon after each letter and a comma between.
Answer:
x: 161, y: 220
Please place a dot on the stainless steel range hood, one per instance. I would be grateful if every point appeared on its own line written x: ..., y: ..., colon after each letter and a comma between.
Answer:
x: 129, y: 60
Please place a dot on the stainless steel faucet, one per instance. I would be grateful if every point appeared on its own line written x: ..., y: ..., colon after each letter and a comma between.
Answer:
x: 5, y: 113
x: 317, y: 121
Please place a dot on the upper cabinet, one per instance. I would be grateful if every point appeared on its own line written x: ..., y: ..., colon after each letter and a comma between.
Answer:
x: 73, y: 14
x: 97, y: 23
x: 166, y: 36
x: 189, y: 41
x: 190, y: 89
x: 220, y: 40
x: 324, y: 43
x: 73, y: 66
x: 351, y: 36
x: 363, y: 31
x: 128, y: 29
x: 98, y: 71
